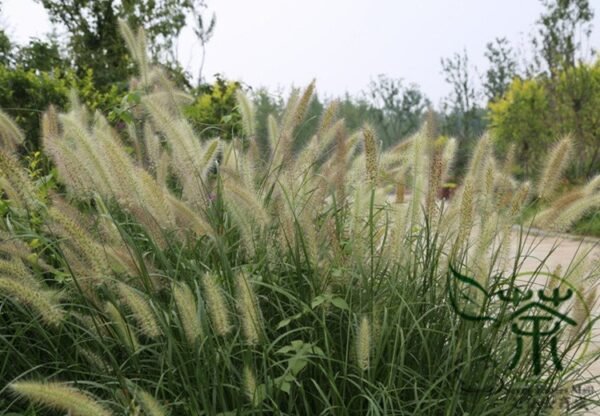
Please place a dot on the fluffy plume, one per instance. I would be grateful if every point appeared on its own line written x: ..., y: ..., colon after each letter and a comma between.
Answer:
x: 15, y: 176
x: 61, y: 397
x: 370, y: 144
x: 273, y: 132
x: 363, y: 344
x: 448, y: 155
x: 249, y: 383
x: 122, y: 329
x: 141, y: 309
x: 592, y: 186
x: 10, y: 135
x: 328, y: 117
x: 303, y: 103
x: 248, y: 310
x: 188, y: 312
x: 556, y: 163
x: 151, y: 406
x: 419, y: 174
x: 434, y: 183
x: 217, y: 307
x: 574, y: 212
x: 466, y: 212
x: 66, y: 223
x: 480, y: 157
x: 42, y: 302
x: 136, y: 43
x: 247, y: 112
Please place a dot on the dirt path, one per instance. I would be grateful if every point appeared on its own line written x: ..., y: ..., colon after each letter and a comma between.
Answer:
x: 561, y: 250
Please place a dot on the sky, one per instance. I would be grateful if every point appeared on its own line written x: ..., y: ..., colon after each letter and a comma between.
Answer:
x: 342, y: 43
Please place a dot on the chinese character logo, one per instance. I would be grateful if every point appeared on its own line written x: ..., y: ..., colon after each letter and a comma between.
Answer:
x: 532, y: 314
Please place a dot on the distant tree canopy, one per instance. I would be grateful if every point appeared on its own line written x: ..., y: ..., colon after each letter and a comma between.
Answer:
x: 561, y: 28
x: 502, y: 69
x: 556, y: 94
x: 397, y: 110
x: 94, y: 62
x: 26, y: 93
x: 40, y: 55
x: 559, y: 94
x: 95, y: 41
x: 535, y: 112
x: 214, y: 113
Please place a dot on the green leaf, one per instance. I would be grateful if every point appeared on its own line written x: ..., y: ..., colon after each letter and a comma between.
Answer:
x: 287, y: 321
x: 340, y: 303
x: 297, y: 364
x: 284, y: 383
x: 318, y: 301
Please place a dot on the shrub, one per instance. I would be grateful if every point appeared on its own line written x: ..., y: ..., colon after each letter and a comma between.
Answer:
x: 26, y: 94
x: 534, y: 112
x: 214, y: 112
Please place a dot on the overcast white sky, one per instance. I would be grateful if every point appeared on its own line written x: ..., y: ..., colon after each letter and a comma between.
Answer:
x: 341, y: 43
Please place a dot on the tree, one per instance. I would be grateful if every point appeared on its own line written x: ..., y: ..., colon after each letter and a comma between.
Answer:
x: 561, y: 26
x: 6, y: 49
x: 95, y: 41
x: 266, y: 104
x: 534, y: 112
x: 502, y: 68
x: 398, y: 108
x: 462, y: 102
x: 204, y: 33
x: 521, y: 118
x: 41, y: 55
x: 214, y: 112
x: 578, y: 92
x: 462, y: 118
x: 356, y: 111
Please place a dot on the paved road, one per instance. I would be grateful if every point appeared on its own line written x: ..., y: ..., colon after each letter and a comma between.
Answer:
x: 562, y: 250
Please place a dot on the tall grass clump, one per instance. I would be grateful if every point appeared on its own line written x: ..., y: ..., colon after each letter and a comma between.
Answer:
x: 172, y: 274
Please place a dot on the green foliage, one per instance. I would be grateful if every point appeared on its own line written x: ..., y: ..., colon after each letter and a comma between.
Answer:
x: 214, y: 112
x: 26, y: 94
x: 461, y: 116
x: 95, y: 41
x: 563, y: 28
x: 502, y: 68
x: 575, y: 110
x: 588, y: 225
x: 397, y: 109
x: 521, y: 118
x: 6, y: 49
x: 355, y: 111
x: 40, y: 55
x: 534, y: 112
x: 94, y: 38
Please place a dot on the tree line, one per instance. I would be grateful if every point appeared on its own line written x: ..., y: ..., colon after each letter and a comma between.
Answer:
x: 525, y: 106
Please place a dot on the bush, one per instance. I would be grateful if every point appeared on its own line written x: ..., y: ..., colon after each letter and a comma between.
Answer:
x: 214, y: 112
x: 26, y: 94
x: 535, y: 112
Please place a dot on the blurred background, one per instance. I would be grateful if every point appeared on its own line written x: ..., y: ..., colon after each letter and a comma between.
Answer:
x: 526, y: 71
